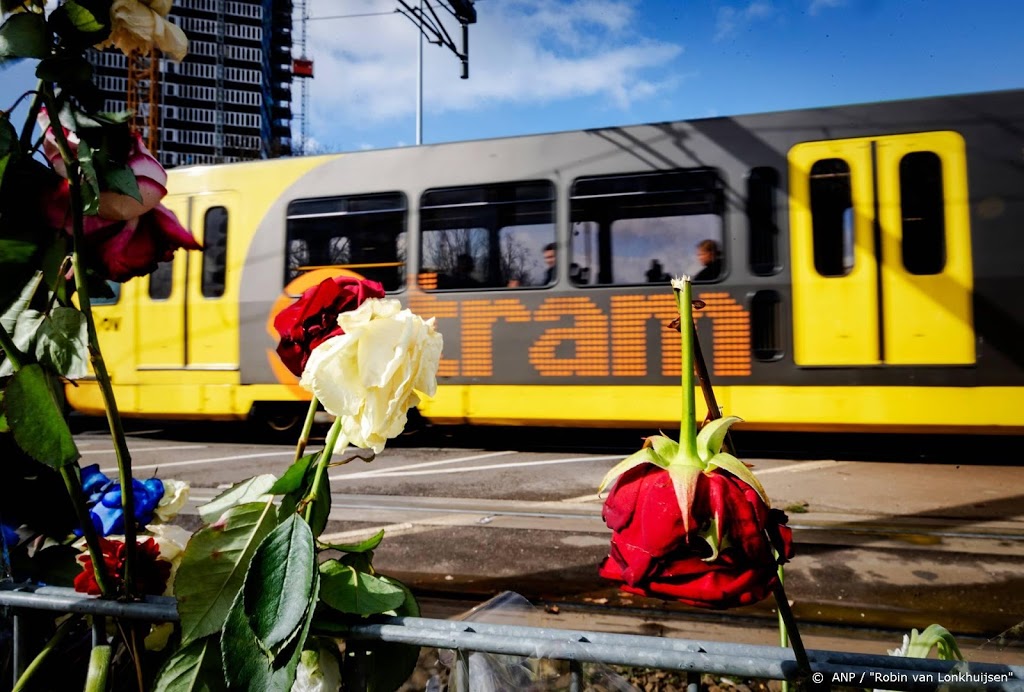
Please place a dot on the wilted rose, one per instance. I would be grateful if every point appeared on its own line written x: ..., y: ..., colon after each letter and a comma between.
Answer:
x: 724, y: 560
x: 313, y: 318
x: 138, y: 25
x: 126, y: 237
x: 371, y: 375
x: 114, y: 206
x: 135, y: 247
x: 174, y: 498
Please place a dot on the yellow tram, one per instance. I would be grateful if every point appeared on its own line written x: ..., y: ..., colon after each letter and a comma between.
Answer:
x: 862, y: 268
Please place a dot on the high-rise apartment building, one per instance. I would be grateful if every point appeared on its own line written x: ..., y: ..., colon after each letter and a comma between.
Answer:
x: 230, y: 98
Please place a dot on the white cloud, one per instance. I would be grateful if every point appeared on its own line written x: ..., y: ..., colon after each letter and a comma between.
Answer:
x: 818, y: 5
x: 731, y: 20
x: 520, y: 52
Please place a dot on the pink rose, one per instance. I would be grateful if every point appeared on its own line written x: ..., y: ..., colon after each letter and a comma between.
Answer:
x: 127, y: 237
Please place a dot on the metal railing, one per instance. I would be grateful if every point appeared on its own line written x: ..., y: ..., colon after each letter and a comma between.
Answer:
x: 576, y: 646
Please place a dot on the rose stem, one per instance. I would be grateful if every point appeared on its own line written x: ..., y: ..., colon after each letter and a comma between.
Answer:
x: 300, y: 448
x: 325, y: 458
x: 688, y: 421
x: 124, y: 462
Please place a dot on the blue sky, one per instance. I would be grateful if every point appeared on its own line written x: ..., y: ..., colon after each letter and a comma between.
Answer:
x: 549, y: 65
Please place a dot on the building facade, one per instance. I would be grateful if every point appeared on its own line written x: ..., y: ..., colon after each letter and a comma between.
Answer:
x: 230, y: 98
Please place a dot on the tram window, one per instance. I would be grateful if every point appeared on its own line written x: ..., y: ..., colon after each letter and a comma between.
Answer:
x: 363, y: 234
x: 922, y: 211
x: 160, y: 281
x: 762, y: 208
x: 766, y: 325
x: 645, y: 228
x: 215, y: 251
x: 490, y: 236
x: 832, y: 217
x: 110, y: 297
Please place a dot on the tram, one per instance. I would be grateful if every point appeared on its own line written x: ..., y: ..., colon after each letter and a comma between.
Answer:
x: 862, y: 268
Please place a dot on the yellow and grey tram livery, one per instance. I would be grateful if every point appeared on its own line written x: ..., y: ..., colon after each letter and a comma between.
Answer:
x: 862, y: 268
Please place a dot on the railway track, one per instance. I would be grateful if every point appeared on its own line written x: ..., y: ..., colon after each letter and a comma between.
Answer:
x: 859, y: 580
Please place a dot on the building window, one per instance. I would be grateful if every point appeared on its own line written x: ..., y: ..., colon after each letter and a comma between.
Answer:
x: 489, y: 236
x: 362, y: 234
x: 923, y: 213
x: 647, y: 227
x: 215, y: 251
x: 832, y: 217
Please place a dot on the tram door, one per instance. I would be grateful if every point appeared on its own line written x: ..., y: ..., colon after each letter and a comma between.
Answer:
x: 881, y: 251
x: 185, y: 318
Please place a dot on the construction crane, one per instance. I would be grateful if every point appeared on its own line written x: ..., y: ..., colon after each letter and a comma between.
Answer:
x: 143, y: 98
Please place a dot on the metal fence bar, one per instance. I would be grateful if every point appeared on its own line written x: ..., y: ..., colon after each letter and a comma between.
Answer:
x: 18, y: 655
x: 62, y: 599
x: 695, y: 657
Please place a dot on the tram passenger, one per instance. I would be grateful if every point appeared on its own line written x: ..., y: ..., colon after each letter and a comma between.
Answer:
x: 463, y: 274
x: 710, y: 256
x: 550, y: 259
x: 656, y: 273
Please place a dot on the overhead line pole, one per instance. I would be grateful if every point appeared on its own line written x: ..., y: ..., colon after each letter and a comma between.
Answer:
x: 419, y: 87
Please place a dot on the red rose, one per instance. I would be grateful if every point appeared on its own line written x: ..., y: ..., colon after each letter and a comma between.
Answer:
x: 653, y: 555
x: 313, y: 318
x: 151, y: 572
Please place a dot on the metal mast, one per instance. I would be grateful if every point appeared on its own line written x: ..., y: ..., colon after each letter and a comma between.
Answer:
x: 303, y: 67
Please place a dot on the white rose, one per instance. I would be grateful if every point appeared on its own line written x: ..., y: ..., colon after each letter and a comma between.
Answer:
x: 171, y: 540
x: 318, y: 670
x: 138, y: 25
x: 174, y: 498
x: 370, y: 376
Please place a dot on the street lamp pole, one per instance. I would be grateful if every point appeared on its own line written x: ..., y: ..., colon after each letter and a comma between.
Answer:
x: 419, y: 86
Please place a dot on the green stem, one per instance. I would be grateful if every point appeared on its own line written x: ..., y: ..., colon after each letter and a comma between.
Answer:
x: 783, y: 632
x: 14, y: 355
x: 51, y: 645
x: 688, y: 421
x: 33, y: 113
x: 307, y: 427
x: 325, y: 458
x: 92, y: 540
x: 99, y: 669
x: 124, y: 464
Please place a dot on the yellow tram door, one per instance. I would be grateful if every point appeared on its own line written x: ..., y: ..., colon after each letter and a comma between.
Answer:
x: 186, y: 337
x: 160, y: 310
x: 881, y: 252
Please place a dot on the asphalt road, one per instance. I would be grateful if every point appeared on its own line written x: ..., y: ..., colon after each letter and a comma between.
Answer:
x: 883, y: 545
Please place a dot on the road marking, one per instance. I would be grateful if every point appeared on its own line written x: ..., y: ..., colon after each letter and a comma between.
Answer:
x: 802, y: 466
x: 382, y: 471
x: 144, y: 449
x: 106, y: 433
x: 405, y: 528
x: 488, y: 467
x: 193, y: 462
x: 589, y: 497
